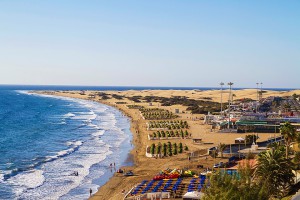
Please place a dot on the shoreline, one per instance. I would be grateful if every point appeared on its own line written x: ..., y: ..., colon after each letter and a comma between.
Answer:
x: 145, y: 168
x: 131, y: 157
x: 129, y: 160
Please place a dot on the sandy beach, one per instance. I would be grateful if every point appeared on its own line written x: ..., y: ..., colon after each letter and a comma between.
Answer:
x: 146, y: 168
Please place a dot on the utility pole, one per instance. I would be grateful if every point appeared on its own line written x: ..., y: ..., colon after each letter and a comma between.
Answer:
x: 221, y: 97
x: 229, y: 100
x: 256, y: 97
x: 261, y: 90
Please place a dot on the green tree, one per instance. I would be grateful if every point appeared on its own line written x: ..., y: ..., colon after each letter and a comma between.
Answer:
x: 296, y: 160
x: 181, y: 132
x: 163, y: 134
x: 169, y: 149
x: 158, y: 148
x: 250, y: 139
x: 174, y: 149
x: 182, y: 135
x: 231, y: 187
x: 221, y: 148
x: 274, y: 171
x: 180, y: 148
x: 214, y: 153
x: 186, y: 133
x: 221, y: 187
x: 152, y: 148
x: 164, y: 149
x: 154, y: 134
x: 186, y: 148
x: 288, y: 131
x: 276, y: 145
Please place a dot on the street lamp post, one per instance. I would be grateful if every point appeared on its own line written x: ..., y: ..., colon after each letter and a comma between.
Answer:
x: 261, y: 90
x: 256, y: 97
x: 230, y: 99
x: 221, y: 96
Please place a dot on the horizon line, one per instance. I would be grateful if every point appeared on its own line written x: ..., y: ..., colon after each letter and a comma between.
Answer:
x: 196, y: 87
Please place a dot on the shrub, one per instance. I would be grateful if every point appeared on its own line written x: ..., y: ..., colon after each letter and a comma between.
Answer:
x: 172, y: 133
x: 186, y: 133
x: 152, y: 149
x: 164, y: 150
x: 180, y: 148
x: 186, y: 148
x: 169, y: 152
x: 154, y: 134
x: 168, y: 134
x: 158, y: 148
x: 169, y: 149
x: 175, y: 149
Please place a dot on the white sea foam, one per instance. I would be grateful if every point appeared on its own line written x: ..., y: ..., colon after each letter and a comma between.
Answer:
x: 86, y: 116
x: 98, y: 133
x: 74, y: 145
x: 94, y: 126
x: 27, y: 180
x: 59, y: 181
x: 1, y: 177
x: 69, y: 115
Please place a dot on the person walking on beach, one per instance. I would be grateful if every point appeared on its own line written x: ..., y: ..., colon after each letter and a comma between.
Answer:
x: 91, y: 191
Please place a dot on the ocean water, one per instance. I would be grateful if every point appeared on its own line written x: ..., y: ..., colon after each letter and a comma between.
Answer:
x: 44, y: 140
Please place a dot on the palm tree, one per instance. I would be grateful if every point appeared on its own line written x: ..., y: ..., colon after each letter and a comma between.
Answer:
x: 222, y: 186
x: 289, y: 133
x: 274, y: 172
x: 233, y: 95
x: 221, y: 148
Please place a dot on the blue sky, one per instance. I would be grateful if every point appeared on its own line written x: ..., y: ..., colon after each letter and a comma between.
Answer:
x: 150, y: 43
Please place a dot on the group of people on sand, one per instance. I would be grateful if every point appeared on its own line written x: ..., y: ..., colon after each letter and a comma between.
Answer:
x: 111, y: 165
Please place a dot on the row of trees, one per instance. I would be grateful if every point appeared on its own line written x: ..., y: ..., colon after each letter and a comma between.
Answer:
x: 157, y: 114
x: 168, y: 124
x: 135, y: 107
x: 167, y: 149
x: 163, y: 134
